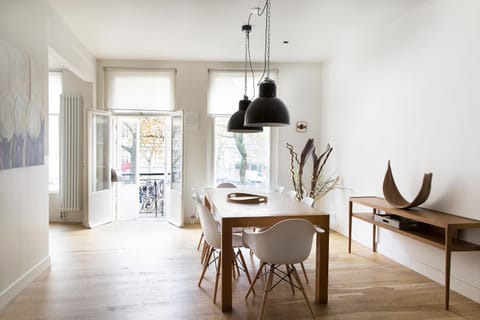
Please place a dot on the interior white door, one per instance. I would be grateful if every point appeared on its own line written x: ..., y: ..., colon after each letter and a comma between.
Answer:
x: 99, y: 184
x: 174, y: 169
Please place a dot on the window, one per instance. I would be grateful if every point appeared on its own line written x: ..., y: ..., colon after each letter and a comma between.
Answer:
x: 240, y: 158
x: 54, y: 92
x: 140, y: 89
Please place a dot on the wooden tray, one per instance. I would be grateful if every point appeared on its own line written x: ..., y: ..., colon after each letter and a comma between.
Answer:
x: 249, y: 198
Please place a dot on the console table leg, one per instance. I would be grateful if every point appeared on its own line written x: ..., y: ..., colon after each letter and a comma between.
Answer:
x: 350, y: 205
x: 448, y: 255
x: 374, y: 234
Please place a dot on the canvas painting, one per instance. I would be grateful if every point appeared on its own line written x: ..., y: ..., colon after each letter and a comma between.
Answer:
x: 22, y: 115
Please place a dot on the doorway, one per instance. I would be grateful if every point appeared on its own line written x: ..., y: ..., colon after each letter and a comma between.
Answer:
x: 140, y: 161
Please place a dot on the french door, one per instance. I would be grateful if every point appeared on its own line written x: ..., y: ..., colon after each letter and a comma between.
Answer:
x: 99, y: 184
x: 148, y: 158
x: 174, y: 169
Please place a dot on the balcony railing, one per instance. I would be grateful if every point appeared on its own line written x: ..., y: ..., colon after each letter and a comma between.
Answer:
x: 151, y: 192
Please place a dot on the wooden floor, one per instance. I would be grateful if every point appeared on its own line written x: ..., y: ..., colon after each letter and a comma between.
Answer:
x: 149, y: 270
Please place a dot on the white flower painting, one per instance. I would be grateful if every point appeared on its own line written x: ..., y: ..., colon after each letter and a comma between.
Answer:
x: 22, y: 116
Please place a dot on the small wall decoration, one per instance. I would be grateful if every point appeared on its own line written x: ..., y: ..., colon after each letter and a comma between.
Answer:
x: 22, y: 115
x: 393, y: 196
x: 302, y: 126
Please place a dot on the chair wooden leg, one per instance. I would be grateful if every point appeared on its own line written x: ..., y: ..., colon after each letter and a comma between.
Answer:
x: 267, y: 290
x: 257, y: 275
x: 204, y: 251
x: 200, y: 242
x: 233, y: 269
x: 304, y: 272
x: 242, y: 260
x: 219, y: 265
x: 205, y: 266
x: 302, y: 289
x: 235, y: 263
x: 290, y: 279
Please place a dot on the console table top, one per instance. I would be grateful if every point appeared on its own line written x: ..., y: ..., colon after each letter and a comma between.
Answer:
x: 434, y: 217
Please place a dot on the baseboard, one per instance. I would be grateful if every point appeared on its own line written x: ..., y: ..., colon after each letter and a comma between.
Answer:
x: 468, y: 290
x: 70, y: 217
x: 21, y: 283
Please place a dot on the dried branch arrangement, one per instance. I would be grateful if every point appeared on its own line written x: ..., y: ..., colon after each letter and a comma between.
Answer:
x: 319, y: 186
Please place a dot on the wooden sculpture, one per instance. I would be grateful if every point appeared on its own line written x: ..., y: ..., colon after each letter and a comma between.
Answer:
x: 393, y: 196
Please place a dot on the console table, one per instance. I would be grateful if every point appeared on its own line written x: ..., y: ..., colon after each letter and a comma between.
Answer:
x: 439, y: 229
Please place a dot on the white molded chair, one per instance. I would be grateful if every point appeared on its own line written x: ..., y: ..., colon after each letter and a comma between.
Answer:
x: 213, y: 239
x: 279, y: 189
x: 288, y: 242
x: 291, y: 194
x: 197, y: 198
x: 308, y: 201
x: 226, y: 185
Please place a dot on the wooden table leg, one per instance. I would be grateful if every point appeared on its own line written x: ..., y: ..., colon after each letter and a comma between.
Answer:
x: 227, y: 258
x: 321, y: 259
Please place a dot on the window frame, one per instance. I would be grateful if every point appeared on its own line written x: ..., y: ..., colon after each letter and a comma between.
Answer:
x: 274, y: 133
x: 54, y: 189
x: 273, y: 170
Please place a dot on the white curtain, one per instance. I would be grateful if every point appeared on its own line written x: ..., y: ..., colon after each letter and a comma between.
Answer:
x: 140, y: 89
x: 226, y: 88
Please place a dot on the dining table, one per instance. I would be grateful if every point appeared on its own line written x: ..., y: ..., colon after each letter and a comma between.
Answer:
x: 232, y: 212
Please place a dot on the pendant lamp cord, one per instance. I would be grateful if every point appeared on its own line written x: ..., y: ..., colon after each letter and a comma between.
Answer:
x: 267, y: 38
x: 247, y: 36
x: 266, y: 55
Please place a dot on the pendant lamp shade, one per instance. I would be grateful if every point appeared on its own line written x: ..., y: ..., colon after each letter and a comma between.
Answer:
x: 236, y: 121
x: 267, y: 110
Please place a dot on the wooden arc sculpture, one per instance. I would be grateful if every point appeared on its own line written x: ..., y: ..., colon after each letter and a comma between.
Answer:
x: 393, y: 196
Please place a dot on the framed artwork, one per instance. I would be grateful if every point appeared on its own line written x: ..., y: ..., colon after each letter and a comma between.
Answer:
x: 22, y: 111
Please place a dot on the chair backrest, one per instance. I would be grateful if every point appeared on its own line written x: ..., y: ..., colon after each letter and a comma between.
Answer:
x: 308, y: 201
x: 287, y: 242
x: 226, y: 185
x: 208, y: 223
x: 197, y: 197
x: 291, y: 194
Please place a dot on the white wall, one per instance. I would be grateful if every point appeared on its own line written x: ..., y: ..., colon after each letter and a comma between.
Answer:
x: 410, y: 94
x: 297, y: 87
x: 68, y: 50
x: 24, y: 191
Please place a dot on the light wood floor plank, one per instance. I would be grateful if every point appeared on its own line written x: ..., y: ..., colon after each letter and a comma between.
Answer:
x: 150, y: 270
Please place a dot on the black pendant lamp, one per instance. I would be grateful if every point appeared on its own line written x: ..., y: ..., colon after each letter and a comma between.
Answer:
x: 237, y: 120
x: 267, y: 110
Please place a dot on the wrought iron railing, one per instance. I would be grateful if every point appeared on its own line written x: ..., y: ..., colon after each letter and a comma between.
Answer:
x: 152, y: 193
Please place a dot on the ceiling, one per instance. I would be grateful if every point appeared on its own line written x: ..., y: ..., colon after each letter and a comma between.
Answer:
x: 210, y: 30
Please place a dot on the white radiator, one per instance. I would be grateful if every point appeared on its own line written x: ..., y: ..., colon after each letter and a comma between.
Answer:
x: 70, y: 129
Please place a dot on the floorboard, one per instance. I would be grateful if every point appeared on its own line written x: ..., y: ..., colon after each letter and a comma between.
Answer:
x: 150, y: 270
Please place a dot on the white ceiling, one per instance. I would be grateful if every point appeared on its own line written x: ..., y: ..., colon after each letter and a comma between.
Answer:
x: 210, y: 30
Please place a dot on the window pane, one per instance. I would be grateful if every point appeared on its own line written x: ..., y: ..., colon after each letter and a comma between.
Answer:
x: 243, y: 159
x: 54, y: 91
x: 140, y: 89
x: 53, y: 154
x: 101, y: 171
